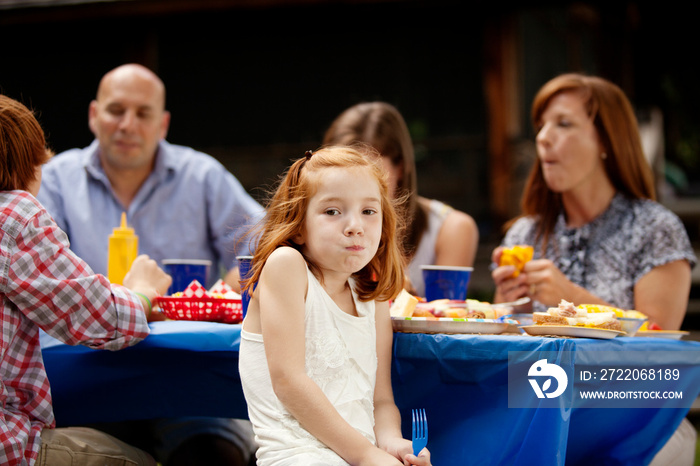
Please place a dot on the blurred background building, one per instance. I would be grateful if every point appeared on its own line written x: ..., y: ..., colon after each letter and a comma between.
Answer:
x: 256, y: 82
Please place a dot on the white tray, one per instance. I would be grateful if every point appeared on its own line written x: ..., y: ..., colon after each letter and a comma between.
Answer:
x: 449, y: 325
x: 670, y: 334
x: 570, y: 331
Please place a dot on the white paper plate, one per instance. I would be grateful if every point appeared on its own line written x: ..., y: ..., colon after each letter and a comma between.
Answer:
x: 570, y: 331
x: 449, y: 325
x: 670, y: 334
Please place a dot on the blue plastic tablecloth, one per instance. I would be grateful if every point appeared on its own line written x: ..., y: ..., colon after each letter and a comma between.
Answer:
x: 462, y: 382
x: 181, y: 369
x: 191, y: 368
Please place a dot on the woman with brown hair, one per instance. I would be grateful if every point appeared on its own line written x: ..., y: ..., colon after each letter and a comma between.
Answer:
x: 436, y: 233
x: 589, y: 211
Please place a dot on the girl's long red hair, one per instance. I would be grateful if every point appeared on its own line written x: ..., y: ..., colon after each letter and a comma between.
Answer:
x: 382, y: 278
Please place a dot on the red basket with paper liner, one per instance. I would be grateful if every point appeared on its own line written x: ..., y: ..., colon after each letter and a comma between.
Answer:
x: 220, y: 304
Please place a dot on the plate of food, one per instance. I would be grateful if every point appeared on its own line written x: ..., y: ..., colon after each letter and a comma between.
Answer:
x: 670, y: 334
x: 630, y: 321
x: 583, y: 321
x: 450, y: 325
x: 570, y: 331
x: 407, y: 305
x: 410, y: 314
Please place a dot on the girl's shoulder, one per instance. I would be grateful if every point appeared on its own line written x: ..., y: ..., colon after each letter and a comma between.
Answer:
x: 285, y: 256
x: 285, y: 262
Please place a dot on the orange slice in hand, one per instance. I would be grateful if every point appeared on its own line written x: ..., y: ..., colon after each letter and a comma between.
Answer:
x: 517, y: 256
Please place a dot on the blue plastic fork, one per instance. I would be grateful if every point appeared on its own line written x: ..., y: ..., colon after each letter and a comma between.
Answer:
x: 419, y: 433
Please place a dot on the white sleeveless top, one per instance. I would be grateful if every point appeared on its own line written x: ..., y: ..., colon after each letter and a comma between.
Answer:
x: 425, y: 253
x: 341, y: 357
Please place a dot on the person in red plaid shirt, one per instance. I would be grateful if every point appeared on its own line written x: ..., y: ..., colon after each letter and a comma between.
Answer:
x: 43, y: 285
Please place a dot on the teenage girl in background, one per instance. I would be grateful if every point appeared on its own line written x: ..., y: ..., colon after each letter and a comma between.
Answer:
x: 436, y: 234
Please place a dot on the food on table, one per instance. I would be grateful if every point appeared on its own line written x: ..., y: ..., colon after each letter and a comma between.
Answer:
x: 630, y: 314
x: 517, y: 256
x: 471, y: 309
x: 407, y: 305
x: 449, y: 308
x: 218, y: 304
x: 404, y: 305
x: 481, y: 308
x: 220, y: 290
x: 423, y: 312
x: 223, y: 291
x: 586, y: 315
x: 622, y: 314
x: 599, y: 308
x: 649, y: 326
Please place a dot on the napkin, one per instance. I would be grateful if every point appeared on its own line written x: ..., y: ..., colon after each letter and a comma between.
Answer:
x: 223, y: 290
x: 195, y: 290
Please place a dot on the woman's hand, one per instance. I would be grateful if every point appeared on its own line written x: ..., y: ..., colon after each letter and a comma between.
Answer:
x: 508, y: 287
x: 540, y: 279
x: 548, y: 285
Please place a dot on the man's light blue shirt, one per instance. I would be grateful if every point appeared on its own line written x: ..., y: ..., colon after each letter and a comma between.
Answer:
x: 190, y: 207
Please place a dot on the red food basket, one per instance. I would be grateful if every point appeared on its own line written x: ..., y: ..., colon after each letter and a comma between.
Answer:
x: 228, y: 311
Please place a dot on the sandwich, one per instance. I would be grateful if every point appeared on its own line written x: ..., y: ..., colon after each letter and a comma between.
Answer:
x: 585, y: 315
x: 407, y: 305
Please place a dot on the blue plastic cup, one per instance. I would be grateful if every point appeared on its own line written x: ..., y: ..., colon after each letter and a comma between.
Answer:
x: 244, y: 271
x: 184, y: 271
x: 446, y: 282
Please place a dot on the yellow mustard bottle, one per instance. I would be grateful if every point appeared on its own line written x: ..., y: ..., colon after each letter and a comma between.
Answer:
x: 123, y: 249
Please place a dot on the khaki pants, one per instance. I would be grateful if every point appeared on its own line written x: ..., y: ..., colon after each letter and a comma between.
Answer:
x: 80, y: 446
x: 680, y: 448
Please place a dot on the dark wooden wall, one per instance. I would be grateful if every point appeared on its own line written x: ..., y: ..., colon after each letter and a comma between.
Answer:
x: 255, y: 83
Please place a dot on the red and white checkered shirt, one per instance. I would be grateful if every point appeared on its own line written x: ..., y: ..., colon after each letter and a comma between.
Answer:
x: 44, y: 285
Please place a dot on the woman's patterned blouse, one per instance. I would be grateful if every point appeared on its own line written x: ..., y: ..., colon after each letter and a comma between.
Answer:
x: 610, y: 254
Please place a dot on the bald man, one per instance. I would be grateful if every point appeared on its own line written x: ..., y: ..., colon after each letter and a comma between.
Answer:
x: 181, y: 203
x: 129, y: 119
